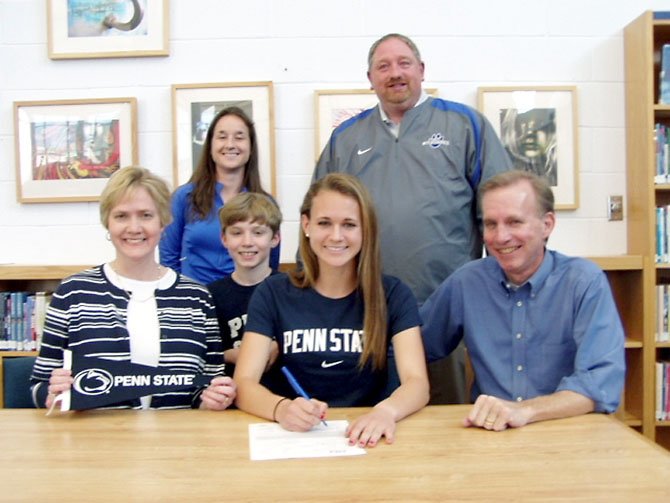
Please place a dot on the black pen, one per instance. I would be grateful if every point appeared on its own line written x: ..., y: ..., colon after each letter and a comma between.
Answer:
x: 296, y: 387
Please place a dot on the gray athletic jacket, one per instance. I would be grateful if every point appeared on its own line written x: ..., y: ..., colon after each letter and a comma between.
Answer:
x: 424, y: 184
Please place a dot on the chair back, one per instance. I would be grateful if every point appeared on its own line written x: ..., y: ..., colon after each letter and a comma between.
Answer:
x: 16, y: 382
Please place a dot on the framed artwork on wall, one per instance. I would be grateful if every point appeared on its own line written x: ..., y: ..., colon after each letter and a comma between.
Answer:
x: 107, y: 29
x: 67, y: 149
x: 334, y: 106
x: 195, y: 105
x: 538, y: 127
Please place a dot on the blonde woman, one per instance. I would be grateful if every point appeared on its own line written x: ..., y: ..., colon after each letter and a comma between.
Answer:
x: 133, y: 309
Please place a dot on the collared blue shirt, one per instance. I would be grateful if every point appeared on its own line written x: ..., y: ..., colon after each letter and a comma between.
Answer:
x: 559, y: 331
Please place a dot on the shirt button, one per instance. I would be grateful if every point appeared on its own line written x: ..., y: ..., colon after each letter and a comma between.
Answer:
x: 519, y: 398
x: 519, y: 303
x: 519, y: 336
x: 519, y: 368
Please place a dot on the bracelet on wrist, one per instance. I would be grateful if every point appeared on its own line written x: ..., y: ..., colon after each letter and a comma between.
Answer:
x: 274, y: 412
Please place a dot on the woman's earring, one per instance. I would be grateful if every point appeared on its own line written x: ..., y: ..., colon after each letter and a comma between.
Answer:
x: 306, y: 234
x: 108, y: 236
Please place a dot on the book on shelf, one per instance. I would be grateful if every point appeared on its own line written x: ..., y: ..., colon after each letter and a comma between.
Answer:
x: 662, y: 238
x: 663, y: 390
x: 662, y: 152
x: 660, y: 389
x: 662, y: 313
x: 661, y: 235
x: 42, y: 300
x: 664, y: 77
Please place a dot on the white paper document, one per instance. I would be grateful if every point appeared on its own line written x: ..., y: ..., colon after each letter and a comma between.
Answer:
x: 271, y: 441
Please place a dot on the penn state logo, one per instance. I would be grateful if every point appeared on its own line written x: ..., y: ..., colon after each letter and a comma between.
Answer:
x: 436, y: 140
x: 93, y: 382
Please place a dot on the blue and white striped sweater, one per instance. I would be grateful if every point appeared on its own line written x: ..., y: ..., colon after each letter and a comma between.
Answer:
x: 88, y: 315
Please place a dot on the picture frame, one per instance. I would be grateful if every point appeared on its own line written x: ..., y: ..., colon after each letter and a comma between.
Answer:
x: 102, y: 29
x: 538, y: 127
x: 67, y: 149
x: 334, y: 106
x: 195, y: 105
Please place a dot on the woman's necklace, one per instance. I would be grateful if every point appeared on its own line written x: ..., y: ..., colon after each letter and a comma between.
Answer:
x: 139, y: 290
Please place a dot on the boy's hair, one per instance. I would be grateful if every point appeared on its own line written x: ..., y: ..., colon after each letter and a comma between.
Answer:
x: 252, y: 206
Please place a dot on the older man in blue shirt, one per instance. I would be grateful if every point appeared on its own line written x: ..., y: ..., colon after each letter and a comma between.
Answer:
x: 542, y: 329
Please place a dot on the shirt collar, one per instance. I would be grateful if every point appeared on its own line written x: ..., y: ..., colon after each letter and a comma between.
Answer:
x: 536, y: 281
x: 385, y: 118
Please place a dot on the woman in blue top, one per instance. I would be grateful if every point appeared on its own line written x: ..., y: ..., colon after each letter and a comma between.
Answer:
x: 334, y: 321
x: 228, y: 165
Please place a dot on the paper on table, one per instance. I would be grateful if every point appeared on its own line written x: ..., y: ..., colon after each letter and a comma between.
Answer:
x: 271, y: 441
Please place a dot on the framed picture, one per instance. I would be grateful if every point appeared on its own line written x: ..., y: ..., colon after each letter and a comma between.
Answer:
x: 538, y: 127
x: 107, y: 29
x: 66, y: 150
x: 334, y: 106
x: 195, y: 105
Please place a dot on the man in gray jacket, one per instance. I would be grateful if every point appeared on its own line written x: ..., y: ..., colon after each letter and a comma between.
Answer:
x: 422, y: 158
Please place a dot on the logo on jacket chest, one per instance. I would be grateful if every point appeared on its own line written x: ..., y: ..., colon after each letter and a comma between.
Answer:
x: 436, y: 140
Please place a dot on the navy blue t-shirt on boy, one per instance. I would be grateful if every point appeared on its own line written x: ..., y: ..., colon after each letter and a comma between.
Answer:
x: 231, y: 301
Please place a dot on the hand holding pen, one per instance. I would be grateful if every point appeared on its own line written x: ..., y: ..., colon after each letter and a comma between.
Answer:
x: 305, y: 414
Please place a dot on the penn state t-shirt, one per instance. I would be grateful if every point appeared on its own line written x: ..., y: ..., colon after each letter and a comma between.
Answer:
x: 320, y: 339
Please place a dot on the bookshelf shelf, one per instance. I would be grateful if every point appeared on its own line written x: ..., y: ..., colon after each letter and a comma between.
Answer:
x: 14, y: 277
x: 643, y: 41
x: 38, y: 272
x: 619, y: 262
x: 633, y: 422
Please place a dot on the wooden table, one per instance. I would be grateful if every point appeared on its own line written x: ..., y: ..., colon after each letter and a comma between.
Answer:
x: 204, y: 456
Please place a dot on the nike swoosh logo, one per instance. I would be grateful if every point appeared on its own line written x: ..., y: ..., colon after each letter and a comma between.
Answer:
x: 327, y: 365
x: 362, y: 151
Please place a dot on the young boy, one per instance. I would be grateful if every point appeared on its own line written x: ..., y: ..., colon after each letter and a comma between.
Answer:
x: 249, y: 230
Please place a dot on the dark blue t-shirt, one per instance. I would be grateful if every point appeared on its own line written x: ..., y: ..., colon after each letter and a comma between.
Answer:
x: 231, y: 301
x: 320, y: 339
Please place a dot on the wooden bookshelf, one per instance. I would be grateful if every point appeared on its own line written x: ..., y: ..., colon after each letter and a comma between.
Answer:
x: 643, y: 39
x: 14, y: 277
x: 626, y: 275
